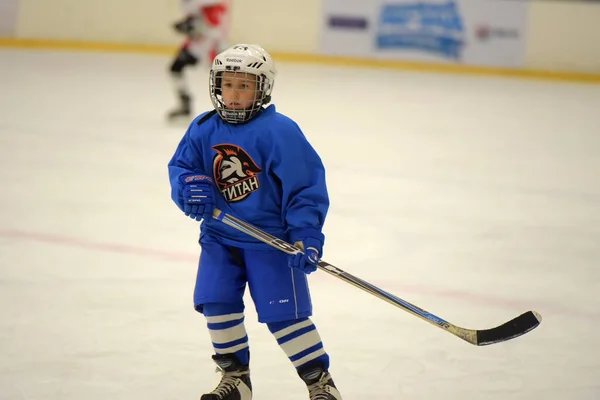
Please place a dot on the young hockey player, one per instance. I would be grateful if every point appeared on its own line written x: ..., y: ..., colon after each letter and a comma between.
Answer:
x: 255, y: 163
x: 203, y: 27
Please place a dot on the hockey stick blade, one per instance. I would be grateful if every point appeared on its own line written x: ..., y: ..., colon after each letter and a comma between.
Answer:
x: 509, y: 330
x: 514, y: 328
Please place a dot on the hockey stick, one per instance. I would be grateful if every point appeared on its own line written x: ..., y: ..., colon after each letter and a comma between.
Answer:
x: 509, y: 330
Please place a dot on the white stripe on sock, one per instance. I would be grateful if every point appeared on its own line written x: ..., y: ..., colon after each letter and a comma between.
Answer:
x: 228, y: 335
x: 309, y: 357
x: 224, y: 318
x: 232, y: 349
x: 301, y: 343
x: 286, y: 331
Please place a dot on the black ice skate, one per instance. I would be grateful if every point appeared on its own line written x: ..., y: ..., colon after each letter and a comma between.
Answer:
x: 235, y: 383
x: 319, y: 383
x: 184, y: 112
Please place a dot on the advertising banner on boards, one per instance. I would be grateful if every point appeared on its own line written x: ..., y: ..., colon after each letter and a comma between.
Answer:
x: 471, y: 32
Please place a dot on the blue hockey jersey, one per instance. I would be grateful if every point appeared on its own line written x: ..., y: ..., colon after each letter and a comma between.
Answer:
x: 265, y: 172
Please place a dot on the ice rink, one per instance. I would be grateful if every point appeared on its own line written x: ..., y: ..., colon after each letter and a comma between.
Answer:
x: 476, y: 198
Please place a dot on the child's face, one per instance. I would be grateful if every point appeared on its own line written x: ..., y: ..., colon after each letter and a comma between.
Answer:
x: 238, y: 90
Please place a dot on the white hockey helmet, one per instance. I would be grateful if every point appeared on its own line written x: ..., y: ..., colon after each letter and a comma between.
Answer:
x: 252, y: 62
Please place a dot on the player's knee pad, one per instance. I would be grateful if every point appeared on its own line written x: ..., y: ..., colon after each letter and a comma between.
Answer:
x: 216, y: 309
x: 280, y: 325
x: 183, y: 59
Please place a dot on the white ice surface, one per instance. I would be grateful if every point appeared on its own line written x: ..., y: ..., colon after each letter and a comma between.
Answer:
x: 474, y: 198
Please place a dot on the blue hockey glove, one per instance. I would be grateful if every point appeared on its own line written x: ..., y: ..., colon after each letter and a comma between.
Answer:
x: 197, y: 193
x: 307, y: 262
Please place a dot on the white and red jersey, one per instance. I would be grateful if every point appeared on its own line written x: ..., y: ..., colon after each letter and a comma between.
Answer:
x: 211, y: 29
x: 211, y: 13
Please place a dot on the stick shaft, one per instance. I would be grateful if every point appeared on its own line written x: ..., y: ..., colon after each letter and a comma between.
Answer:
x: 465, y: 334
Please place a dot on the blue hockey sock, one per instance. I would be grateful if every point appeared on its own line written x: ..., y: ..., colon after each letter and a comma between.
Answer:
x: 227, y: 331
x: 301, y: 342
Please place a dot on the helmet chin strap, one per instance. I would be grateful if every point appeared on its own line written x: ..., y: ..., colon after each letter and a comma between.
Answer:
x: 239, y: 116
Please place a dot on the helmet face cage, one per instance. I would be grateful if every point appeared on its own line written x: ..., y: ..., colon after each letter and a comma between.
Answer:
x: 238, y: 85
x: 241, y: 82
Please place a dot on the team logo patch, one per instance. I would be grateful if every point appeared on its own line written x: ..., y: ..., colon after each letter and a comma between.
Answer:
x: 235, y: 172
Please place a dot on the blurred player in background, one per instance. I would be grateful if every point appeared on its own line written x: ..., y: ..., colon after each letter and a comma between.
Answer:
x: 205, y: 31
